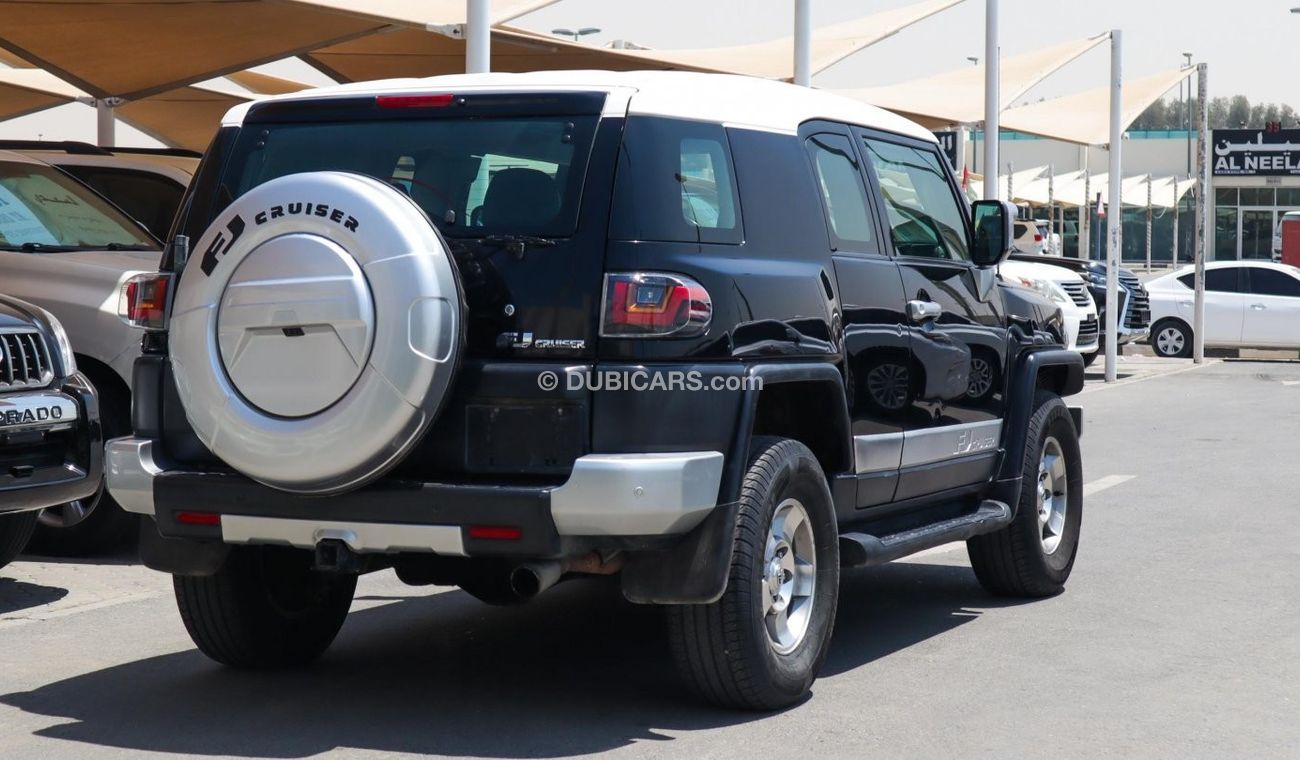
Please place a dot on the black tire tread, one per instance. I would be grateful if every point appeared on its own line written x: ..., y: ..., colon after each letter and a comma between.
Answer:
x: 1006, y: 561
x: 706, y: 639
x: 15, y: 531
x: 228, y: 619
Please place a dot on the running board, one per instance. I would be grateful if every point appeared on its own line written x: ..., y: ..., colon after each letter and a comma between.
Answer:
x: 864, y: 550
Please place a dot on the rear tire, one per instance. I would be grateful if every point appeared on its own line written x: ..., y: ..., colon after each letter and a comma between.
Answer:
x: 265, y: 608
x: 1033, y: 556
x: 96, y: 523
x: 1171, y: 339
x: 15, y: 530
x: 761, y: 645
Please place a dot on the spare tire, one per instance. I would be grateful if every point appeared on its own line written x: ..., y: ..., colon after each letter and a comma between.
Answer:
x: 316, y: 331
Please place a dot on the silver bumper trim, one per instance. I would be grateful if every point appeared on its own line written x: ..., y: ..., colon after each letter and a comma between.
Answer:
x: 637, y: 494
x: 360, y: 537
x: 606, y: 495
x: 130, y: 467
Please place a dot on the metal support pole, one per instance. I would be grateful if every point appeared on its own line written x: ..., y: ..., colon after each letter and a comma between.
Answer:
x: 1149, y: 220
x: 1173, y: 256
x: 1114, y: 214
x: 106, y: 124
x: 963, y: 134
x: 478, y: 36
x: 992, y: 98
x: 803, y: 43
x: 1202, y: 211
x: 1051, y: 209
x: 1085, y: 211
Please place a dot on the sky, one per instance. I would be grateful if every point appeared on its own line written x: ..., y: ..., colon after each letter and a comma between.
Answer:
x: 1248, y: 44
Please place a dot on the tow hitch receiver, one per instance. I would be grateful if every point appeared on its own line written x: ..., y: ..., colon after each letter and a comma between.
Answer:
x: 334, y: 556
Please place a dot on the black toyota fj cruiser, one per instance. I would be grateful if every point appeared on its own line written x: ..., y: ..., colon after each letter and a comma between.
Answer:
x: 713, y: 334
x: 51, y: 450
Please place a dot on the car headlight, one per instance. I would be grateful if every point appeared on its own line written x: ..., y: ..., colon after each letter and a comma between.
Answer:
x: 61, y: 341
x: 1097, y: 278
x: 1045, y: 288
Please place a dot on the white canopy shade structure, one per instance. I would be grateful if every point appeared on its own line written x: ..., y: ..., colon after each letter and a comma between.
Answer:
x: 185, y: 117
x: 957, y: 97
x: 1084, y: 118
x: 405, y: 50
x: 1036, y: 191
x: 135, y: 48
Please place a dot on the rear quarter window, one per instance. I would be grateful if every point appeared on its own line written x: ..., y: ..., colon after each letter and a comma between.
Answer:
x: 675, y: 183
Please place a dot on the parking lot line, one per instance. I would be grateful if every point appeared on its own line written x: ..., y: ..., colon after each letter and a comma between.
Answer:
x: 1101, y: 484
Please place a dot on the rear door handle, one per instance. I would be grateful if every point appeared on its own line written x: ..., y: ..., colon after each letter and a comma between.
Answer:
x: 923, y: 311
x: 1258, y: 306
x: 1184, y: 303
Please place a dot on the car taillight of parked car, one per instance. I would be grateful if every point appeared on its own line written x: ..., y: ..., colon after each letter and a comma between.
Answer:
x: 654, y: 305
x: 143, y: 301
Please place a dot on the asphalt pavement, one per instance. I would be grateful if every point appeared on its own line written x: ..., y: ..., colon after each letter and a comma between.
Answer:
x: 1178, y: 635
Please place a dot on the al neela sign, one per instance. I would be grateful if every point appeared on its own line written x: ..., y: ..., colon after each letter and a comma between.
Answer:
x: 1256, y: 152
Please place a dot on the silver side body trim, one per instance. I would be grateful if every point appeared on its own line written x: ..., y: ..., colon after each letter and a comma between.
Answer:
x: 129, y: 465
x: 889, y: 451
x: 360, y: 537
x: 637, y: 494
x: 877, y: 453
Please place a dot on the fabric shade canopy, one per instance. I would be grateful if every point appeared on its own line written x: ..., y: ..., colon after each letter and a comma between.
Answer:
x: 1084, y: 117
x: 135, y: 48
x: 24, y: 91
x: 957, y: 97
x: 412, y: 52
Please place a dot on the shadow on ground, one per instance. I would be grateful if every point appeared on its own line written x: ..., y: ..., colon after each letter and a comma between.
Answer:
x: 16, y: 596
x: 579, y: 671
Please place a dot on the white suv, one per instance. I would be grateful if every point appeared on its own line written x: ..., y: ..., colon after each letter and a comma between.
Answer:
x: 1066, y: 289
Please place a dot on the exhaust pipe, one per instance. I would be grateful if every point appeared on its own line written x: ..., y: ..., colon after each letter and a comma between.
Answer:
x: 532, y: 578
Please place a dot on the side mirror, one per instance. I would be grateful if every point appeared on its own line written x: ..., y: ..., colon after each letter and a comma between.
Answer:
x: 993, y: 232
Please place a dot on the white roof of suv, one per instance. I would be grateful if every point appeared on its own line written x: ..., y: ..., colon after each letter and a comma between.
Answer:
x: 724, y: 98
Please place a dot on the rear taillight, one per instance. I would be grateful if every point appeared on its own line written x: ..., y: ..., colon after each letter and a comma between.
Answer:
x: 1038, y: 238
x: 143, y: 301
x: 654, y: 305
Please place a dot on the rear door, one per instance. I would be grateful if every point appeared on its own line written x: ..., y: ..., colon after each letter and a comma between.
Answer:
x: 1272, y: 313
x: 955, y: 322
x: 880, y: 371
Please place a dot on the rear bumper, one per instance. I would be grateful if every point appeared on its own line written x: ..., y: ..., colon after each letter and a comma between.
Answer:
x: 608, y: 496
x: 52, y: 460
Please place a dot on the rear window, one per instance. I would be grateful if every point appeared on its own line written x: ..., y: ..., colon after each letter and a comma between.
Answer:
x: 42, y: 207
x: 1220, y: 280
x: 473, y: 176
x: 675, y: 183
x: 148, y: 198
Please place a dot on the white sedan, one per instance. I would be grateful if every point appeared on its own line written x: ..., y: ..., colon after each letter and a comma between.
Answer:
x: 1248, y: 304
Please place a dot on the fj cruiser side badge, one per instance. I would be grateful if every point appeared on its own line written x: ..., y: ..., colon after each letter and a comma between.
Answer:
x: 526, y: 340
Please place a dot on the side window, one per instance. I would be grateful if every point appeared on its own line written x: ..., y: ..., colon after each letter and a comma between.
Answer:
x: 844, y: 197
x: 675, y: 183
x: 925, y: 218
x: 1221, y: 280
x: 1271, y: 282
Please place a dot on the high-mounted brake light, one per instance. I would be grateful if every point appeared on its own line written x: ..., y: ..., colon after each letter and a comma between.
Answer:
x: 654, y: 305
x: 143, y: 301
x: 415, y: 101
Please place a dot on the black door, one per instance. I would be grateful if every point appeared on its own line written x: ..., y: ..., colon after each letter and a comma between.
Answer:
x: 954, y: 319
x: 879, y: 369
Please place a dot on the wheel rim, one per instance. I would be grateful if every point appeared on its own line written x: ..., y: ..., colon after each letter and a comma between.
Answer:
x: 1053, y: 495
x: 981, y: 378
x: 1170, y: 341
x: 887, y: 384
x: 788, y: 584
x: 72, y: 513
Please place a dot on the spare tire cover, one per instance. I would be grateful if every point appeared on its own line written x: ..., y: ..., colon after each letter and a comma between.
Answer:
x: 316, y: 331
